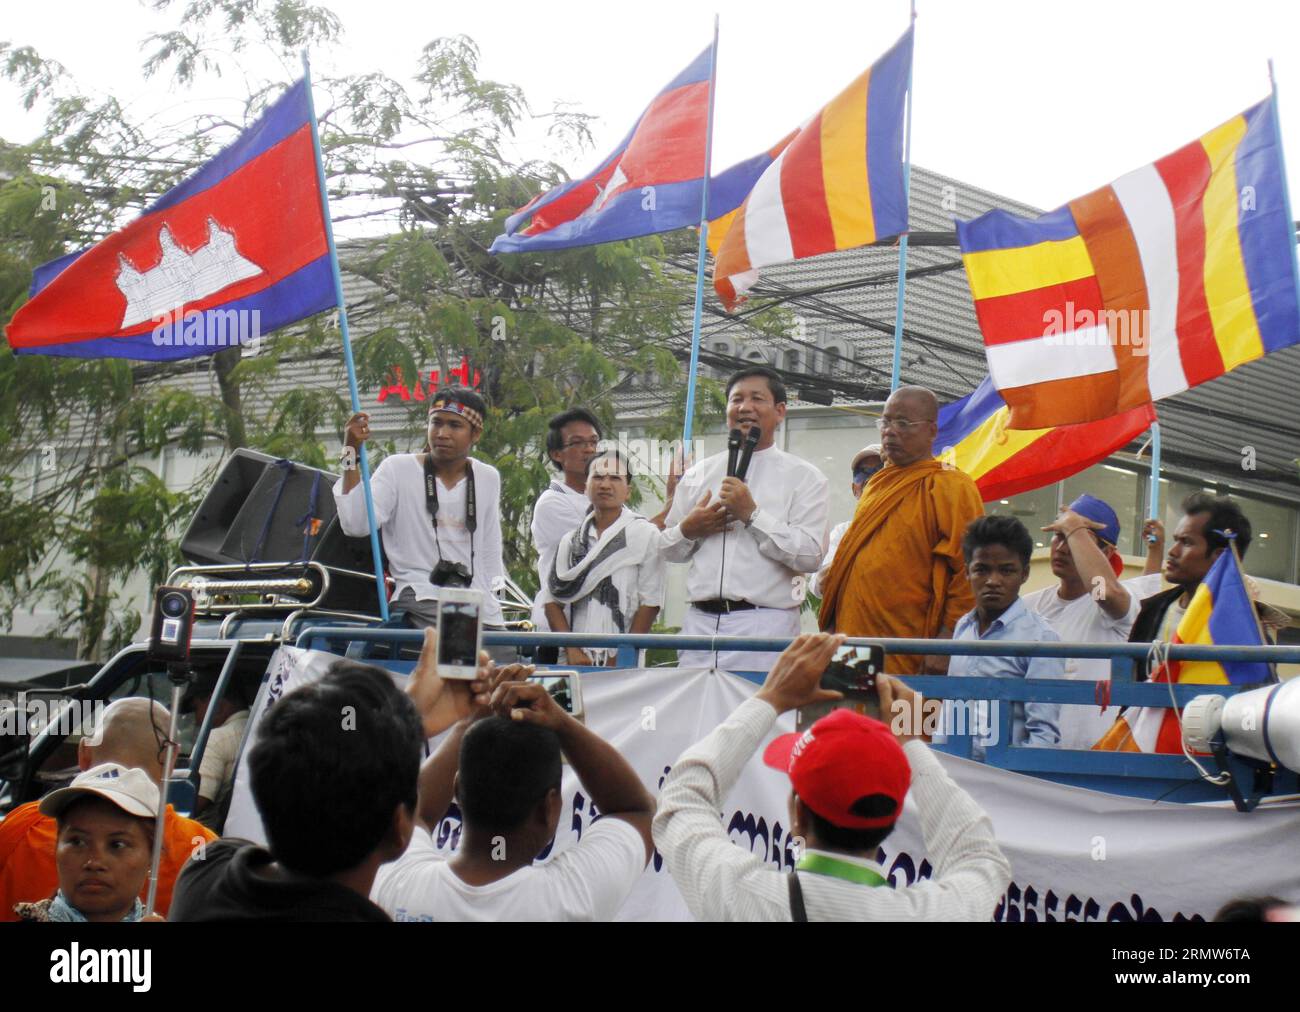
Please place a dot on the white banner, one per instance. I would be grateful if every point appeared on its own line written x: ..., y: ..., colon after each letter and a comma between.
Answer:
x: 1075, y: 854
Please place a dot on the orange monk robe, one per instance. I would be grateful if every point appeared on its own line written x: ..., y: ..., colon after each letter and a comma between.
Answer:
x: 899, y: 570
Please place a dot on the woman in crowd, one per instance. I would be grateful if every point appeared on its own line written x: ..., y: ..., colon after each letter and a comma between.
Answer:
x: 606, y: 576
x: 105, y: 840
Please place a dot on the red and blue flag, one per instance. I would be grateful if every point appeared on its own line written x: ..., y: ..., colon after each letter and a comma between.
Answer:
x: 650, y: 183
x: 240, y: 245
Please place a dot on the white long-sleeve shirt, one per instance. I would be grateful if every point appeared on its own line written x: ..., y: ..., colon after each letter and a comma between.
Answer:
x: 765, y: 561
x: 407, y: 531
x: 723, y: 882
x: 558, y: 510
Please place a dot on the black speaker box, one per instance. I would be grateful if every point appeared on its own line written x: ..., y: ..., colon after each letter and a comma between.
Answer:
x: 253, y: 500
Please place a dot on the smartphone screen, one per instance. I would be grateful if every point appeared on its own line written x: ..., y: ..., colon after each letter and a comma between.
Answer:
x: 458, y: 634
x: 565, y: 688
x: 854, y: 669
x: 559, y: 688
x: 851, y: 671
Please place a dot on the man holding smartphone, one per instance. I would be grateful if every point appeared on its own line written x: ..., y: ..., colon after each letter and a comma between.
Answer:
x: 502, y: 765
x: 848, y: 777
x: 439, y: 512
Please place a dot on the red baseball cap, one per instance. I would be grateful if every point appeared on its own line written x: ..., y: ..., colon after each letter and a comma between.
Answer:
x: 840, y: 759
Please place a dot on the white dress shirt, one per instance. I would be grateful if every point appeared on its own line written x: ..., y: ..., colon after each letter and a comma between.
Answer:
x: 558, y: 510
x: 764, y: 562
x: 407, y: 530
x: 723, y: 882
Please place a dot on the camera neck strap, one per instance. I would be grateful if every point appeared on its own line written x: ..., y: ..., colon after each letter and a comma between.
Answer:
x: 431, y: 502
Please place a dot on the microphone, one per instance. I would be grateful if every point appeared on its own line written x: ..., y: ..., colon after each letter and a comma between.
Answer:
x: 751, y: 441
x: 733, y: 448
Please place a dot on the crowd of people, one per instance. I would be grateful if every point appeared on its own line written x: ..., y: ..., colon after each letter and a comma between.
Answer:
x: 351, y: 810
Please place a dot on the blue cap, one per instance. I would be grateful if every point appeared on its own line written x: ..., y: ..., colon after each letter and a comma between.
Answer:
x: 1095, y: 509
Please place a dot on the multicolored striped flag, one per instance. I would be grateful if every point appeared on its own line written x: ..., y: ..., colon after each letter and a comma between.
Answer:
x: 1221, y: 613
x: 1170, y: 276
x: 836, y: 183
x: 235, y: 251
x: 974, y: 437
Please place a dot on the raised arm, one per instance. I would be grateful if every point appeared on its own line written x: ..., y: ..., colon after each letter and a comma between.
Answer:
x: 608, y: 779
x: 351, y: 503
x: 1091, y: 562
x: 706, y: 866
x: 472, y: 699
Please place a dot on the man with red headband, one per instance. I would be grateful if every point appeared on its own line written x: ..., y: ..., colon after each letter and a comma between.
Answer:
x: 439, y: 512
x: 1091, y: 604
x: 848, y: 777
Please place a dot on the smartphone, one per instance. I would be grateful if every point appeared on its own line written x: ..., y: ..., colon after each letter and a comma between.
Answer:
x: 852, y: 671
x: 565, y: 687
x: 460, y: 632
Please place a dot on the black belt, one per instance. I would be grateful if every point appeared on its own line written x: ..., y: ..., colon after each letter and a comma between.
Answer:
x: 722, y: 606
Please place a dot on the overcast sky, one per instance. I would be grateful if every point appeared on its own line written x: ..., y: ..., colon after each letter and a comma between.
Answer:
x: 1040, y: 101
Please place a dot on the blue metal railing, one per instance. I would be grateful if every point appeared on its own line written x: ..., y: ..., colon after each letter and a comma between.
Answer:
x: 1129, y: 773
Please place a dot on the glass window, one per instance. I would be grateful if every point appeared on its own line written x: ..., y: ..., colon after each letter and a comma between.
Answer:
x: 1123, y: 490
x: 831, y: 450
x: 1272, y: 539
x: 1034, y: 509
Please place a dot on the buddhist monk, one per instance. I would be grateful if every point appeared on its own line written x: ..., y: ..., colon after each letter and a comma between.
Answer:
x: 899, y: 569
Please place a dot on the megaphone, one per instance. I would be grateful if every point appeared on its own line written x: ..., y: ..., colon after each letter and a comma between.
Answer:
x: 1262, y: 724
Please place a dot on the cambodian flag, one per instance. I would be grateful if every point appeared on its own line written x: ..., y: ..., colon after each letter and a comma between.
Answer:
x: 232, y: 253
x: 651, y: 182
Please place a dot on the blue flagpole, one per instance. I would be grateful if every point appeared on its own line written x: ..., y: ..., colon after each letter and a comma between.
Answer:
x: 1154, y: 498
x: 704, y: 236
x: 364, y: 459
x: 895, y: 374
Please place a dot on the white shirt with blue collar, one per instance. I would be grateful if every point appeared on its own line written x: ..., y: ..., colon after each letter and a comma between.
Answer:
x: 1031, y: 723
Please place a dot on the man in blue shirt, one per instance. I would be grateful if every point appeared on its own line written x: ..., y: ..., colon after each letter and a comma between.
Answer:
x: 997, y: 551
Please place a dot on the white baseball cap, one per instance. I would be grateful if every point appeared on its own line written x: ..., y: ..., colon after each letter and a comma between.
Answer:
x: 129, y: 789
x: 867, y: 451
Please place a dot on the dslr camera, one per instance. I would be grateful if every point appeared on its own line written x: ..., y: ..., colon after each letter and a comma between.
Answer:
x: 451, y: 574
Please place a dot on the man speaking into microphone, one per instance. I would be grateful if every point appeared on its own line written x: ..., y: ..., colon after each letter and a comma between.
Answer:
x: 752, y: 522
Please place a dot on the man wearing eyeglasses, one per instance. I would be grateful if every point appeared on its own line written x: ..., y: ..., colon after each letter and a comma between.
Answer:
x: 866, y: 462
x: 899, y: 569
x: 572, y: 439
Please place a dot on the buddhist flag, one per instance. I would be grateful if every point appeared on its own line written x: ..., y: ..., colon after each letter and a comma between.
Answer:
x: 974, y: 437
x: 233, y: 252
x: 836, y: 183
x: 1221, y: 613
x: 1171, y: 275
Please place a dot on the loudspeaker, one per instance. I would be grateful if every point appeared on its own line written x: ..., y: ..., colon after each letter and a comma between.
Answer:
x: 258, y: 510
